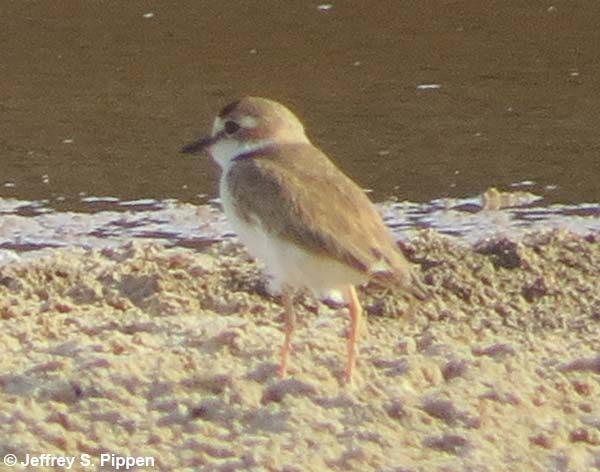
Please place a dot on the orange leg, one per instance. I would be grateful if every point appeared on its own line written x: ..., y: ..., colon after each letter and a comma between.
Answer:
x: 353, y: 335
x: 289, y: 316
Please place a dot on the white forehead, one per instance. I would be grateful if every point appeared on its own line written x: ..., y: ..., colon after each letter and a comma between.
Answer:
x: 248, y: 122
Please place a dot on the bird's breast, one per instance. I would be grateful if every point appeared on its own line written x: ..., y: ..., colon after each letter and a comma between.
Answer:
x: 286, y: 263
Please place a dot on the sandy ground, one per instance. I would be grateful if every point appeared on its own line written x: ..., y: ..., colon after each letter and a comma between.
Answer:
x: 172, y: 353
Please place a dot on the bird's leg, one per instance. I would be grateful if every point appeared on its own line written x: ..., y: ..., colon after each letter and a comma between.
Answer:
x: 289, y: 317
x: 353, y: 334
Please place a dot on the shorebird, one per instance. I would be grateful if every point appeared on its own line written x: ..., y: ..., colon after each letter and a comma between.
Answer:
x: 310, y: 224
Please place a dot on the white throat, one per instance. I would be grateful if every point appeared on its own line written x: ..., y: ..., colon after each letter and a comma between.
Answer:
x: 225, y: 150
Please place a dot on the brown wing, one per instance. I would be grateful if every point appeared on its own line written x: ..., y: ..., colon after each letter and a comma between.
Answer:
x: 299, y: 195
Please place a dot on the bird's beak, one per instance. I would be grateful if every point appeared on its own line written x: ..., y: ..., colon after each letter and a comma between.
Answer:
x: 203, y: 144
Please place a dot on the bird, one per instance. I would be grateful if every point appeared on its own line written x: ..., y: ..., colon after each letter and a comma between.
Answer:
x: 311, y: 225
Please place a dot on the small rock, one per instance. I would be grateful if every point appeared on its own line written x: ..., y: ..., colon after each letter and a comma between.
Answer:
x: 392, y: 367
x: 504, y: 253
x: 501, y: 397
x: 277, y: 392
x: 450, y: 443
x: 210, y: 409
x: 591, y: 364
x: 582, y: 388
x: 541, y: 440
x: 494, y: 350
x: 441, y: 408
x: 454, y: 368
x: 395, y: 409
x: 535, y: 291
x: 585, y: 435
x: 63, y: 308
x: 64, y: 392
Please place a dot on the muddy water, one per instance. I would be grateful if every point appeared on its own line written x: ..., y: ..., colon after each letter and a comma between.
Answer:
x: 417, y: 100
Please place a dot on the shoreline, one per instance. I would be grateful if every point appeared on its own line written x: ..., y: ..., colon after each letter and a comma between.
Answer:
x: 32, y: 229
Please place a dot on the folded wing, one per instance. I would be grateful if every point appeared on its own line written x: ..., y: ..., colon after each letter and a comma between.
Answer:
x: 300, y: 196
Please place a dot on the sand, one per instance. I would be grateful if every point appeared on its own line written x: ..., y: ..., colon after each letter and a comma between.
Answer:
x: 171, y: 354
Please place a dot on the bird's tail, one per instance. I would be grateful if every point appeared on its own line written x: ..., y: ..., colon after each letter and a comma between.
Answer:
x: 404, y: 280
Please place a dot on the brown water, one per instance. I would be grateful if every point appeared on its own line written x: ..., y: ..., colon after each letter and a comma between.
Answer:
x: 96, y: 98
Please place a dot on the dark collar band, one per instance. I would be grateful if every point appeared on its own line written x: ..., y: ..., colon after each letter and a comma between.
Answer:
x: 251, y: 154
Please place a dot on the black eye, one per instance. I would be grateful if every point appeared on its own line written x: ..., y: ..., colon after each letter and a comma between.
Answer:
x: 231, y: 127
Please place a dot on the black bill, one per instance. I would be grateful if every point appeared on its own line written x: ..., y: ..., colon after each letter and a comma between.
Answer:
x: 199, y: 146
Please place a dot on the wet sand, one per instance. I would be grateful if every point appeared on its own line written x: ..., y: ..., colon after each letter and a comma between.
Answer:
x: 140, y: 350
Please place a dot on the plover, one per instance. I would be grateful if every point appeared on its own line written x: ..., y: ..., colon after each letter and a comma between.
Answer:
x: 311, y: 225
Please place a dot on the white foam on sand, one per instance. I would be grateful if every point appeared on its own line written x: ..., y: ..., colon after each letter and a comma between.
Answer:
x: 30, y: 226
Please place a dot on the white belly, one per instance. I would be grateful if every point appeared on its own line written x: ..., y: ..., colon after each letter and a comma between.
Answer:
x: 287, y: 263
